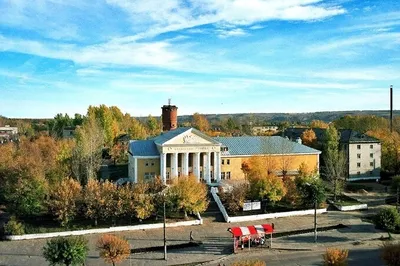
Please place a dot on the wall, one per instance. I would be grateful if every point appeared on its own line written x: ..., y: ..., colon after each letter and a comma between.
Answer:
x: 142, y: 168
x: 365, y: 160
x: 293, y: 162
x: 107, y: 230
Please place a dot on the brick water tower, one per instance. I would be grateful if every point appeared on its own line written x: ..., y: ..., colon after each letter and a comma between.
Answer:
x: 169, y: 116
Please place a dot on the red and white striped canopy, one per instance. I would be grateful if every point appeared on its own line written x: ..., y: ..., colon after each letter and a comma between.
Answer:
x: 252, y: 230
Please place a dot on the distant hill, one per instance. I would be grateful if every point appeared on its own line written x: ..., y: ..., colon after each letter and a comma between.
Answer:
x: 276, y: 118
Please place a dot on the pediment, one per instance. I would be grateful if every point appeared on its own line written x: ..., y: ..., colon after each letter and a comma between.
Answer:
x: 191, y: 137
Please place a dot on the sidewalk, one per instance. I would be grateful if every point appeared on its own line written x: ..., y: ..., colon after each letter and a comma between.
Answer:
x: 217, y: 242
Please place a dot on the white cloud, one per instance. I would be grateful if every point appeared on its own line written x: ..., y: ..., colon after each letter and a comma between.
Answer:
x: 226, y: 33
x: 368, y: 74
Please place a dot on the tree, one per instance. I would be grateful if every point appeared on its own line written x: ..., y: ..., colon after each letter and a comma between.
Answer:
x: 66, y: 251
x: 113, y: 249
x: 335, y: 162
x: 112, y: 202
x: 267, y: 187
x: 190, y: 195
x: 93, y: 201
x: 200, y: 122
x: 87, y: 154
x: 387, y: 219
x: 318, y: 124
x: 63, y: 200
x: 142, y: 200
x: 234, y: 199
x: 153, y: 126
x: 311, y: 190
x: 309, y: 138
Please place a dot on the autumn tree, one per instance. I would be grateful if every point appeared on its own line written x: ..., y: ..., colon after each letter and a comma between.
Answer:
x: 112, y: 202
x: 113, y: 249
x: 309, y: 138
x: 318, y: 124
x: 234, y: 198
x: 267, y: 187
x: 390, y: 145
x: 142, y: 200
x: 87, y: 154
x: 93, y: 201
x: 200, y: 122
x: 190, y: 195
x: 63, y: 200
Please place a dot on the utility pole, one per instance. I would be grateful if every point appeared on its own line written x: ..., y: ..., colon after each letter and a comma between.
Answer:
x: 391, y: 108
x: 165, y: 232
x: 315, y: 219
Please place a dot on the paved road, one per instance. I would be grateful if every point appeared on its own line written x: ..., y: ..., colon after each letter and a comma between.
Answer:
x: 217, y: 241
x: 367, y: 254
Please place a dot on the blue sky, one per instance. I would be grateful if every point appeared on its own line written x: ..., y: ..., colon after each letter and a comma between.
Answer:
x: 208, y: 56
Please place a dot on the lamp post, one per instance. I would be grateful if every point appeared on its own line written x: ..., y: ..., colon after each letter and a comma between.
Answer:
x: 165, y: 232
x: 314, y: 197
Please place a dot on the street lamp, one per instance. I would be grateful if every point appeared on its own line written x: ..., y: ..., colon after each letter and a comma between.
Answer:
x: 165, y: 232
x: 314, y: 197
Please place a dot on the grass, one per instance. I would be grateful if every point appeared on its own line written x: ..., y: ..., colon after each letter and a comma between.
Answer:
x: 344, y: 200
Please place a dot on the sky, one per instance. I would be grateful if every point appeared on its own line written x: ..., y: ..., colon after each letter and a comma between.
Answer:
x: 207, y: 56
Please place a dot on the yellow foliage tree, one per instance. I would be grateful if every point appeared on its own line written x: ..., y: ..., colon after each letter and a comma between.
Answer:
x: 113, y: 249
x: 200, y: 122
x: 93, y: 200
x: 63, y: 200
x: 309, y: 138
x: 318, y: 124
x: 142, y: 200
x: 190, y: 195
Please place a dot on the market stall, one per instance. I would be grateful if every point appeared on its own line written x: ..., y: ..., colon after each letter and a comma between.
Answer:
x: 253, y: 235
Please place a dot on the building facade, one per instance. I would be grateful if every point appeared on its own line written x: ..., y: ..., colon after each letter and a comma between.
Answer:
x: 183, y: 151
x: 363, y: 152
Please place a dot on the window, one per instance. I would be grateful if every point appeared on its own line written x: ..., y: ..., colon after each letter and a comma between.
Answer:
x: 179, y: 174
x: 222, y: 175
x: 201, y: 174
x: 228, y: 161
x: 358, y: 155
x: 358, y: 173
x: 228, y: 175
x: 371, y: 164
x: 223, y: 161
x: 358, y: 165
x: 371, y: 146
x: 152, y: 163
x: 371, y: 172
x: 358, y: 147
x: 147, y: 163
x: 167, y: 176
x: 371, y: 155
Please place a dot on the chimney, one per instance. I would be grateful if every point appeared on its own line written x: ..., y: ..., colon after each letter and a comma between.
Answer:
x: 169, y: 116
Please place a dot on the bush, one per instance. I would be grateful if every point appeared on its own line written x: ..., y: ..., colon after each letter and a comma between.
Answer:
x: 249, y: 263
x: 13, y: 227
x: 66, y: 250
x: 387, y: 219
x: 391, y: 253
x: 113, y: 249
x: 335, y: 257
x: 395, y: 183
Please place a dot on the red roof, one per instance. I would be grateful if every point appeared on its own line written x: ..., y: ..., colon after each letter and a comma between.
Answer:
x: 252, y: 230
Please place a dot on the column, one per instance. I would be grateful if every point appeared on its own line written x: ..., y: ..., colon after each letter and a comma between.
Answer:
x: 185, y: 165
x: 207, y: 175
x: 217, y: 166
x: 135, y: 177
x: 174, y: 165
x: 196, y: 165
x: 163, y: 169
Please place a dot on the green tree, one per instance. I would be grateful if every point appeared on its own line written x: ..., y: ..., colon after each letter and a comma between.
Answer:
x: 66, y: 251
x: 153, y: 126
x: 311, y: 190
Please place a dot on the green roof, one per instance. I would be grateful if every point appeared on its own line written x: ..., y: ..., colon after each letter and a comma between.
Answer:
x: 248, y: 145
